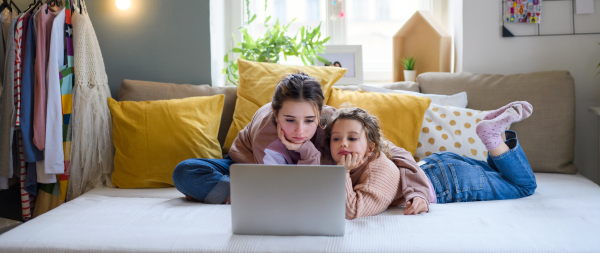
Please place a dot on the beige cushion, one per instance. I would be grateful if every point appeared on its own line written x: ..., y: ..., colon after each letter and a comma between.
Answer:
x: 133, y: 90
x: 548, y: 136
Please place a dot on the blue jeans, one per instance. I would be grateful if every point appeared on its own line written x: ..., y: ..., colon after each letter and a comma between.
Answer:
x: 461, y: 179
x: 206, y: 180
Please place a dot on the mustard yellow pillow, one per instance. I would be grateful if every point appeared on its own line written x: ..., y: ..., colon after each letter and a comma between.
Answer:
x: 257, y: 84
x: 152, y: 137
x: 400, y: 115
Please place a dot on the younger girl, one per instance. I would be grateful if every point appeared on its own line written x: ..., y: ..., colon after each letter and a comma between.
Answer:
x: 373, y: 182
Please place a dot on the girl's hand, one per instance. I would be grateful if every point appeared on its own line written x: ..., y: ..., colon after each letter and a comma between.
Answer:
x: 416, y: 206
x: 351, y: 161
x: 293, y: 146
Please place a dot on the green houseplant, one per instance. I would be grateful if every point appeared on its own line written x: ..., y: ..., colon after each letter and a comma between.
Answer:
x: 269, y: 47
x: 409, y: 68
x: 408, y: 62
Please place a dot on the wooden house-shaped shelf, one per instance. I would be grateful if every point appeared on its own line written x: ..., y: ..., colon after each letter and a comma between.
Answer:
x: 425, y: 39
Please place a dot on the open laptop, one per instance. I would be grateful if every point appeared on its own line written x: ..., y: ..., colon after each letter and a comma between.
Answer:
x: 288, y: 199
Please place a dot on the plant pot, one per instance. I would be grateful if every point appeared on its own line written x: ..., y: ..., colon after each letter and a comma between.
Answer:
x: 409, y: 75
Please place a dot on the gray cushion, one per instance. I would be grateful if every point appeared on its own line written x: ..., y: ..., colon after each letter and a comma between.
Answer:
x: 548, y: 136
x: 132, y: 90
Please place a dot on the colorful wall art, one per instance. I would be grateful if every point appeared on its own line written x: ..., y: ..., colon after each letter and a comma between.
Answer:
x: 523, y: 11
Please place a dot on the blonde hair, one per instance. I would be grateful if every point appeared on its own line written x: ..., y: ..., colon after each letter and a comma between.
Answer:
x: 369, y: 123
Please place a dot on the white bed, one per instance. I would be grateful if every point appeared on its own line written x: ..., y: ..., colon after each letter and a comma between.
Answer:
x: 563, y: 215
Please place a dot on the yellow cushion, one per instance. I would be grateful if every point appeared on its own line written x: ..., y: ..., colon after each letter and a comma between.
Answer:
x: 400, y: 115
x: 152, y: 137
x: 257, y: 85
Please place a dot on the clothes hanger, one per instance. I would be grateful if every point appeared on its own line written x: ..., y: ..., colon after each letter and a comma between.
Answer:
x: 52, y: 3
x: 15, y: 5
x: 4, y: 5
x: 33, y: 5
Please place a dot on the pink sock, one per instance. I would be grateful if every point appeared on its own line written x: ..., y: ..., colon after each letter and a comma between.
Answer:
x: 527, y: 110
x: 490, y: 131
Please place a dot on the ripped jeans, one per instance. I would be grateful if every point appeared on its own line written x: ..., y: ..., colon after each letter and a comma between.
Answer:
x: 462, y: 179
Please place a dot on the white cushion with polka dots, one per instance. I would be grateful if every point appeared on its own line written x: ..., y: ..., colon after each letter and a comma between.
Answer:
x: 449, y: 128
x: 458, y: 99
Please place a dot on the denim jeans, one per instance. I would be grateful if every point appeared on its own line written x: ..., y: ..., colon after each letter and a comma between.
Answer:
x: 461, y: 179
x: 206, y: 180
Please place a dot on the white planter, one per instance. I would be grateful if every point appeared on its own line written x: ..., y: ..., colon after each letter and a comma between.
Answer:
x: 409, y: 75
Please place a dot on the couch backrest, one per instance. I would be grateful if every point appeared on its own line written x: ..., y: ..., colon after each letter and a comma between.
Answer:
x: 133, y: 90
x: 548, y: 136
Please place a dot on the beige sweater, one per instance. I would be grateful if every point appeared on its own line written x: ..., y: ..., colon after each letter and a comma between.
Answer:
x: 373, y: 187
x: 251, y: 142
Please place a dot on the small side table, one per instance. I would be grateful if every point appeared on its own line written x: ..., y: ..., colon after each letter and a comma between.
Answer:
x: 6, y: 224
x: 596, y: 110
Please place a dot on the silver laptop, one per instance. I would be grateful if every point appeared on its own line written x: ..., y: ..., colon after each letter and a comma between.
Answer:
x: 288, y: 199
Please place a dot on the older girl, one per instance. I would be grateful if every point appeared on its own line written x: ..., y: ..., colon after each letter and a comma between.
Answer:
x: 374, y: 183
x: 289, y: 130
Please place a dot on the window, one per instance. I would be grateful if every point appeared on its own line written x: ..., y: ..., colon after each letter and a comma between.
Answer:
x: 370, y: 23
x: 375, y: 33
x: 313, y: 10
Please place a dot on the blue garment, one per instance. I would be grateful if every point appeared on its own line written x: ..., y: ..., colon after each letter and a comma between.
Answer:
x: 30, y: 151
x: 206, y: 180
x: 31, y: 184
x: 461, y: 179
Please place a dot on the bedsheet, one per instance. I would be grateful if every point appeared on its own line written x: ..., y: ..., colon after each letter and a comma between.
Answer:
x: 562, y: 216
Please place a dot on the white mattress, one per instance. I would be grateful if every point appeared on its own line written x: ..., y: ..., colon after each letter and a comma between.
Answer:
x: 563, y: 215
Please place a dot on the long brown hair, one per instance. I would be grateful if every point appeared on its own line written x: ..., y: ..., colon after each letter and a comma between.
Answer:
x: 369, y: 122
x: 299, y: 87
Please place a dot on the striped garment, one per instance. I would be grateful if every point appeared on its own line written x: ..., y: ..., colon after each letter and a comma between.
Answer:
x: 25, y: 205
x: 17, y: 80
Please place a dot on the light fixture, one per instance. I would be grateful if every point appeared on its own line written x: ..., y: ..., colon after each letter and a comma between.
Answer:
x: 123, y: 4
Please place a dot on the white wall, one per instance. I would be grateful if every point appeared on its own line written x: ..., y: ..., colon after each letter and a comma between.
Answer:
x: 485, y: 51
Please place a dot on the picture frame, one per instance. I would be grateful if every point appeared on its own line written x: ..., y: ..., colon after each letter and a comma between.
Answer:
x: 349, y: 57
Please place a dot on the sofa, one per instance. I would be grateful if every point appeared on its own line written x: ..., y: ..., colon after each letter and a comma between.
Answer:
x: 563, y: 215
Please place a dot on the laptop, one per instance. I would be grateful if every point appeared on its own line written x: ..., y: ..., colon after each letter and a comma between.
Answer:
x: 288, y: 199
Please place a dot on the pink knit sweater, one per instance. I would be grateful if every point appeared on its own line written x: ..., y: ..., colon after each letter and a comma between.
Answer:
x: 373, y: 187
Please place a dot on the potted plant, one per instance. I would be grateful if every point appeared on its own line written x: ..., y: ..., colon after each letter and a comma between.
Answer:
x: 409, y: 68
x: 305, y: 44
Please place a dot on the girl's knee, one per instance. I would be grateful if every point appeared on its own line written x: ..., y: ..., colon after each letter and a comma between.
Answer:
x: 191, y: 168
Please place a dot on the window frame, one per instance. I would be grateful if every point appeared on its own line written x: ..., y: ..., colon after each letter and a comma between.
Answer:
x: 337, y: 29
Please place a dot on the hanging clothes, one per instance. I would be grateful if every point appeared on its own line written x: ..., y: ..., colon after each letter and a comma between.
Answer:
x: 31, y: 153
x: 91, y: 123
x: 66, y: 88
x: 54, y: 155
x: 17, y: 77
x: 49, y: 195
x: 21, y: 168
x: 44, y: 22
x: 7, y: 113
x: 4, y: 15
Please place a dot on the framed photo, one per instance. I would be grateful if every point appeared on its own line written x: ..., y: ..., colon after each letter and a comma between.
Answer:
x: 345, y: 56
